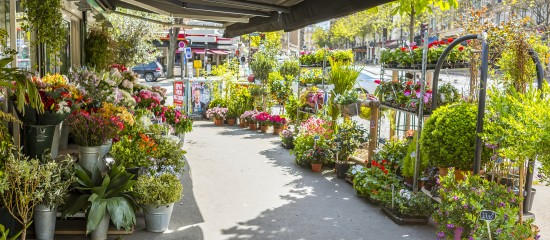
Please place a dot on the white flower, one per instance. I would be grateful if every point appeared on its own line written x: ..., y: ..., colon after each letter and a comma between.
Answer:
x: 63, y: 108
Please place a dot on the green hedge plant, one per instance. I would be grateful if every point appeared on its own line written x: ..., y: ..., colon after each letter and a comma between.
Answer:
x: 163, y: 189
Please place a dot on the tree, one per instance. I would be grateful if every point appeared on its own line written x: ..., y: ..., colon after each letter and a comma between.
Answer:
x: 173, y: 38
x: 413, y: 8
x: 271, y: 42
x: 99, y: 47
x: 135, y: 36
x: 321, y: 37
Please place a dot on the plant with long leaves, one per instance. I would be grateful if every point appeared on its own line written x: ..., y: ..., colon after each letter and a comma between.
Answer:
x: 98, y: 194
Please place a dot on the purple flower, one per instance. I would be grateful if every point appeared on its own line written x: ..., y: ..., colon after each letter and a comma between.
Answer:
x: 501, y: 204
x: 537, y: 237
x: 455, y: 198
x: 471, y: 238
x: 407, y: 92
x: 499, y: 230
x: 450, y: 226
x: 440, y: 234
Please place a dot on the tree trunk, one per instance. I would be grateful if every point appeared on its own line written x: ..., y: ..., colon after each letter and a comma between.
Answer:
x: 173, y: 35
x: 411, y: 23
x: 521, y: 184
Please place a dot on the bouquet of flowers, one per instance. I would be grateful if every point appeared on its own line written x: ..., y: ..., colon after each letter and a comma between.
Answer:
x: 146, y: 99
x: 100, y: 87
x: 57, y: 98
x: 249, y: 116
x: 263, y: 118
x: 108, y: 110
x: 277, y: 121
x: 93, y: 128
x: 129, y: 80
x: 161, y: 92
x: 178, y: 120
x: 216, y: 113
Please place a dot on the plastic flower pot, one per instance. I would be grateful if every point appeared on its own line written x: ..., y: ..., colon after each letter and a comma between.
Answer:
x: 316, y: 167
x: 218, y: 122
x: 277, y: 130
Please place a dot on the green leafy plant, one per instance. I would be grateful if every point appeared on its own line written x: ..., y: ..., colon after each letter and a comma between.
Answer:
x: 462, y: 202
x: 347, y: 98
x: 376, y: 181
x: 411, y: 204
x: 349, y: 137
x: 98, y: 194
x: 262, y: 64
x: 160, y: 189
x: 393, y: 151
x: 318, y: 155
x: 57, y: 178
x: 99, y: 48
x: 409, y: 159
x: 290, y: 69
x: 448, y: 137
x: 305, y: 138
x: 46, y: 19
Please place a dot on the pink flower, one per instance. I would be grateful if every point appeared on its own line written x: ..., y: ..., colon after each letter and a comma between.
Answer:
x: 377, y: 81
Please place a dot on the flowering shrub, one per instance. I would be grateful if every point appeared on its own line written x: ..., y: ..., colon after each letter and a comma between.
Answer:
x: 249, y: 116
x: 93, y: 128
x: 216, y: 113
x: 99, y: 87
x: 108, y: 109
x: 277, y: 121
x: 305, y: 139
x: 376, y: 181
x: 164, y: 189
x: 462, y: 202
x: 318, y: 155
x: 262, y: 118
x: 134, y: 151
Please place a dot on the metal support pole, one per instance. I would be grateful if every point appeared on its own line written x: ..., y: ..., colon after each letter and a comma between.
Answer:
x: 481, y: 104
x: 425, y: 34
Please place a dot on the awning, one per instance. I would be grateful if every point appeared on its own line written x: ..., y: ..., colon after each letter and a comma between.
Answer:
x: 243, y: 17
x: 219, y: 52
x: 197, y: 51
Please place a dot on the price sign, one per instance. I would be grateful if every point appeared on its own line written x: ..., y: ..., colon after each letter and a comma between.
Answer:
x: 316, y: 138
x: 179, y: 93
x: 381, y: 140
x: 413, y: 154
x: 499, y: 160
x: 488, y: 216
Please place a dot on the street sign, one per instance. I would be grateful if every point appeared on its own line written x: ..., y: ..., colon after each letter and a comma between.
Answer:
x: 179, y: 93
x: 181, y: 44
x: 188, y: 52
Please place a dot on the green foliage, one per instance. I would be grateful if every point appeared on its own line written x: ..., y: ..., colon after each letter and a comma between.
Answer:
x: 392, y: 151
x: 447, y: 94
x: 448, y: 137
x: 45, y: 18
x: 307, y: 132
x: 271, y: 43
x: 409, y: 160
x: 169, y: 153
x: 343, y: 76
x: 347, y: 98
x: 158, y: 190
x: 350, y: 136
x: 98, y: 194
x: 135, y: 37
x: 311, y: 76
x: 217, y: 102
x: 413, y: 204
x: 133, y: 151
x: 99, y: 48
x: 376, y: 181
x: 262, y: 64
x: 319, y: 154
x: 57, y: 178
x: 462, y: 202
x: 290, y: 69
x: 342, y: 56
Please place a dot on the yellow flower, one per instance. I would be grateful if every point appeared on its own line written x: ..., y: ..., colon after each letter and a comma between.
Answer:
x: 56, y: 79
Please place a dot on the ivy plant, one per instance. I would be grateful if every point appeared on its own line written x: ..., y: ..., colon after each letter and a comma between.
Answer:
x: 45, y: 17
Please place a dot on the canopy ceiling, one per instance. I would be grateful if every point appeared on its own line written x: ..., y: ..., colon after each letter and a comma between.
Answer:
x: 241, y: 17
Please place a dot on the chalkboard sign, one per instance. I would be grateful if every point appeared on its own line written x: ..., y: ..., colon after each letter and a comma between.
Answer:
x: 488, y: 215
x: 316, y: 138
x: 382, y: 141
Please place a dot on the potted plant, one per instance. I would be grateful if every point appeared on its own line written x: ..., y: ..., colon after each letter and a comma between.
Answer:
x: 158, y: 193
x: 91, y: 130
x: 103, y: 198
x: 278, y: 123
x: 134, y: 152
x: 348, y: 103
x: 231, y: 116
x: 409, y: 207
x: 218, y: 114
x: 21, y: 179
x: 349, y: 137
x: 375, y: 182
x: 313, y: 132
x: 57, y: 178
x: 317, y: 156
x: 287, y: 139
x: 247, y: 116
x: 180, y: 122
x: 263, y: 119
x: 449, y: 135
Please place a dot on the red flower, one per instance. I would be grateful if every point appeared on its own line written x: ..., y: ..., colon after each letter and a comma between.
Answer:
x: 409, y: 83
x: 461, y: 48
x: 377, y: 81
x: 403, y: 49
x: 414, y: 47
x: 450, y: 40
x: 386, y: 172
x: 384, y: 161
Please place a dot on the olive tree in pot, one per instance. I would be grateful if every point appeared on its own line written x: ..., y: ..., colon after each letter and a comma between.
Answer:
x: 158, y: 193
x: 57, y: 178
x: 103, y: 198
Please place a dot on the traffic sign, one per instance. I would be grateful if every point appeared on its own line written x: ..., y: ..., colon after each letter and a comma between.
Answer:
x: 181, y: 44
x: 188, y: 52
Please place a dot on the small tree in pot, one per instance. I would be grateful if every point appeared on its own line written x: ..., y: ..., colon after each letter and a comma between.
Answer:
x: 158, y: 193
x: 350, y: 136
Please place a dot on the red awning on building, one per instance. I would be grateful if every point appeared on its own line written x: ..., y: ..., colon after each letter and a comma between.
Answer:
x: 219, y: 52
x: 197, y: 51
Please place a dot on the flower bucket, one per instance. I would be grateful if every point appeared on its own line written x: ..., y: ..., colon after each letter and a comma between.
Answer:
x: 231, y: 121
x: 101, y: 231
x: 105, y: 148
x: 316, y: 167
x: 264, y: 128
x: 157, y: 219
x: 44, y: 222
x: 88, y: 157
x: 64, y: 138
x: 37, y: 139
x: 253, y: 126
x: 55, y: 141
x: 277, y: 130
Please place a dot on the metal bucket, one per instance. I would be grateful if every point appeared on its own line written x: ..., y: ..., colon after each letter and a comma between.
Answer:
x: 157, y: 219
x: 182, y: 138
x: 44, y: 222
x: 37, y: 139
x: 88, y: 157
x: 101, y: 231
x: 105, y: 148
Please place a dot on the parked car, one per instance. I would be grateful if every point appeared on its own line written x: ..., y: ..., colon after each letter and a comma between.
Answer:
x: 151, y: 71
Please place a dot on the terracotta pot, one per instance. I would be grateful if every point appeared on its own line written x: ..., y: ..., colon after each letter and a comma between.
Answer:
x: 264, y: 128
x: 316, y: 167
x: 443, y: 171
x: 242, y: 123
x: 277, y: 130
x: 218, y: 122
x: 461, y: 175
x: 285, y: 127
x: 253, y: 126
x: 231, y: 121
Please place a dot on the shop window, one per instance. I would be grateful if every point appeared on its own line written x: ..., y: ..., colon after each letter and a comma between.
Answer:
x: 23, y: 40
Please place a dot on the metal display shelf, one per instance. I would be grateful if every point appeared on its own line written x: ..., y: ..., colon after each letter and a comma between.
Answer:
x: 428, y: 70
x: 403, y: 110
